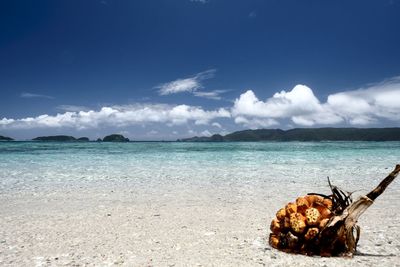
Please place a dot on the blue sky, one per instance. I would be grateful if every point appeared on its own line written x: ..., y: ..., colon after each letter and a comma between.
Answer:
x: 157, y: 70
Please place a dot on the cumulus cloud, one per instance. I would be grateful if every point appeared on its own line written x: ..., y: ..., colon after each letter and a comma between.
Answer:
x: 300, y: 100
x: 30, y: 95
x: 358, y: 107
x: 190, y: 84
x: 368, y: 105
x: 120, y: 116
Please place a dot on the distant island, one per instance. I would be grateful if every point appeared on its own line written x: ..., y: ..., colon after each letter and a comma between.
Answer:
x: 5, y: 138
x: 304, y: 134
x: 61, y: 138
x: 115, y: 138
x: 68, y: 138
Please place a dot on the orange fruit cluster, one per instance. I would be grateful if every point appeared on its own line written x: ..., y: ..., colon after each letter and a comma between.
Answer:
x: 298, y: 224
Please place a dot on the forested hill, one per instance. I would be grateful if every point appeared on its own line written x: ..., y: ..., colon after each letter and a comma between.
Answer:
x: 305, y: 134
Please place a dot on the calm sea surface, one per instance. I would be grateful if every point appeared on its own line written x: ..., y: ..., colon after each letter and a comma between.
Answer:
x: 35, y: 166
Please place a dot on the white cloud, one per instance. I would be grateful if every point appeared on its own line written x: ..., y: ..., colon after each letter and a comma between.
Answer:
x: 372, y: 104
x: 119, y: 116
x: 216, y: 124
x: 358, y: 107
x: 205, y: 133
x: 300, y: 100
x: 215, y: 94
x: 190, y: 84
x: 72, y: 108
x: 366, y: 105
x: 30, y: 95
x: 254, y: 123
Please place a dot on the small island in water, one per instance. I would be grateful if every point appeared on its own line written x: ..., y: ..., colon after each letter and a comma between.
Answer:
x: 115, y: 138
x: 5, y: 138
x: 61, y: 138
x: 68, y: 138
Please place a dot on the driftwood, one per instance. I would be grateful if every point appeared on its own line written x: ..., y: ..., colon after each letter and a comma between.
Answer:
x: 324, y: 225
x: 341, y: 234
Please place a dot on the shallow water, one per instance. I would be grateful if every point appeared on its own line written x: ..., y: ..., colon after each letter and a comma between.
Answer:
x: 36, y: 166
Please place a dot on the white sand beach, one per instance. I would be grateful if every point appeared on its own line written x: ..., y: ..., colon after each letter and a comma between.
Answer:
x: 174, y: 227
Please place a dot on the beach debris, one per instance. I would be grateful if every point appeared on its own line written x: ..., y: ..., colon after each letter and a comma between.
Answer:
x: 324, y: 225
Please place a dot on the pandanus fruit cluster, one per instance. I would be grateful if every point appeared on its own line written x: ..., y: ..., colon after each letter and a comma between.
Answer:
x: 324, y: 225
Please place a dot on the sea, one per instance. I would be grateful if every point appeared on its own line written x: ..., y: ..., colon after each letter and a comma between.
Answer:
x: 34, y: 167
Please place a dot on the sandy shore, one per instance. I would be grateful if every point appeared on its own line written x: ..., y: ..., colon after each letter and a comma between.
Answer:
x: 174, y: 227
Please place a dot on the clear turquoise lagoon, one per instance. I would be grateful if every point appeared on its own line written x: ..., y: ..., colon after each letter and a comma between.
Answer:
x: 38, y: 166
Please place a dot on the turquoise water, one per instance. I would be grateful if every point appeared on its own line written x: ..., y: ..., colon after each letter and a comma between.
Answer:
x: 35, y: 166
